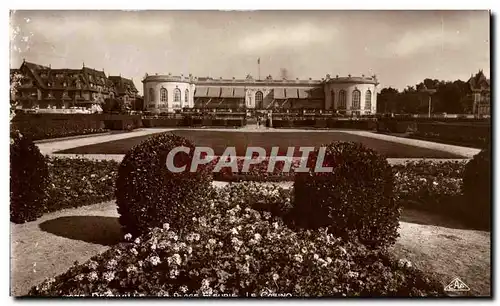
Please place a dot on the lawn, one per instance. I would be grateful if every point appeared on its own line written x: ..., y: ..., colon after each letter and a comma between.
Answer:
x: 220, y: 140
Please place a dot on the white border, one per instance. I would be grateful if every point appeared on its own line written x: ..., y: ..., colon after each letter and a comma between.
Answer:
x: 217, y: 4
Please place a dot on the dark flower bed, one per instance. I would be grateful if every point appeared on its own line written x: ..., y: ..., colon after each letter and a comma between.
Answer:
x: 75, y: 182
x: 235, y: 250
x: 431, y: 186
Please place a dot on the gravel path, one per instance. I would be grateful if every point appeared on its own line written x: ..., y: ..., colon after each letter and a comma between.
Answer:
x: 50, y: 245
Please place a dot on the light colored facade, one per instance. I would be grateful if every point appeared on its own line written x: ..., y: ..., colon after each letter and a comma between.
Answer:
x: 348, y: 95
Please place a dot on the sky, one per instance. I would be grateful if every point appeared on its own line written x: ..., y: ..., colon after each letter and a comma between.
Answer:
x: 400, y: 47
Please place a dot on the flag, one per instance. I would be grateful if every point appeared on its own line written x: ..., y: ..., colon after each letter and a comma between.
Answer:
x: 258, y: 61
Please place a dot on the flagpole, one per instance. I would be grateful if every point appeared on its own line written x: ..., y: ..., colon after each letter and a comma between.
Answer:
x: 258, y: 63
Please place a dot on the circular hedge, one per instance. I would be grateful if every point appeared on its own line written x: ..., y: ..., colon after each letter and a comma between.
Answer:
x: 355, y: 200
x: 148, y: 194
x: 29, y: 176
x: 477, y: 189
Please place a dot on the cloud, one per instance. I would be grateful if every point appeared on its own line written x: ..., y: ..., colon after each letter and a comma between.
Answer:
x: 301, y: 35
x: 413, y: 42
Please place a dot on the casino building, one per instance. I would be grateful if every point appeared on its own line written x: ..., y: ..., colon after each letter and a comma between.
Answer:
x: 347, y: 95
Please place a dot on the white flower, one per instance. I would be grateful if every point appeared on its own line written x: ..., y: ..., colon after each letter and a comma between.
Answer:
x: 298, y: 257
x: 109, y: 276
x: 304, y: 250
x: 316, y: 256
x: 131, y: 268
x: 205, y: 283
x: 212, y: 241
x: 183, y: 289
x: 111, y: 264
x: 154, y: 260
x: 80, y: 277
x: 137, y: 240
x: 128, y: 237
x: 234, y: 231
x: 402, y: 263
x: 275, y: 277
x: 257, y: 236
x: 177, y: 259
x: 92, y: 276
x: 134, y: 251
x: 166, y: 226
x: 328, y: 260
x: 189, y: 249
x: 435, y: 183
x: 352, y: 274
x: 196, y: 236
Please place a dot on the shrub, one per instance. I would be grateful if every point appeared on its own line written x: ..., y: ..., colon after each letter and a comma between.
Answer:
x: 75, y: 182
x: 354, y: 200
x: 236, y: 251
x: 148, y: 194
x: 28, y: 179
x: 45, y: 126
x: 477, y: 188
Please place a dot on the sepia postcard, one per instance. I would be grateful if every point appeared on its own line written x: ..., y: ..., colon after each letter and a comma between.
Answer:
x: 250, y: 154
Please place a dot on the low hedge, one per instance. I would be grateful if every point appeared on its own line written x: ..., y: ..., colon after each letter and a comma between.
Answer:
x: 332, y: 123
x: 234, y: 250
x: 29, y: 177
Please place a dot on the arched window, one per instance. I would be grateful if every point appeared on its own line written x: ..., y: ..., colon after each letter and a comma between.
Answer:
x: 151, y: 95
x: 186, y: 96
x: 356, y: 99
x: 333, y: 100
x: 163, y: 95
x: 368, y: 99
x: 177, y: 95
x: 342, y: 99
x: 259, y: 99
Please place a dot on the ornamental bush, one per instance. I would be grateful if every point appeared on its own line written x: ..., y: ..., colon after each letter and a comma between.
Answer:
x: 148, y: 194
x: 28, y: 179
x: 237, y: 251
x: 354, y: 200
x: 477, y: 189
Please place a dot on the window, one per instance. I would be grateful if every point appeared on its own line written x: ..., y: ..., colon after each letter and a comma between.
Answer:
x: 186, y: 96
x: 259, y: 99
x: 177, y: 95
x: 356, y: 99
x: 368, y: 99
x: 163, y: 95
x: 333, y: 100
x: 151, y: 95
x: 342, y: 99
x: 65, y: 84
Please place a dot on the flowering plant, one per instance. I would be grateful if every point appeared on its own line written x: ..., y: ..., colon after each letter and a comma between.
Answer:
x: 234, y: 250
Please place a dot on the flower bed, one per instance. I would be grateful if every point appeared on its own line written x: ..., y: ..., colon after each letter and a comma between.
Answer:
x: 75, y: 182
x: 235, y: 250
x: 430, y: 186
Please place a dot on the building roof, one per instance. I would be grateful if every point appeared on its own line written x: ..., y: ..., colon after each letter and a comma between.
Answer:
x: 479, y: 82
x: 291, y: 93
x: 201, y: 92
x: 74, y: 79
x: 214, y: 92
x: 123, y: 85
